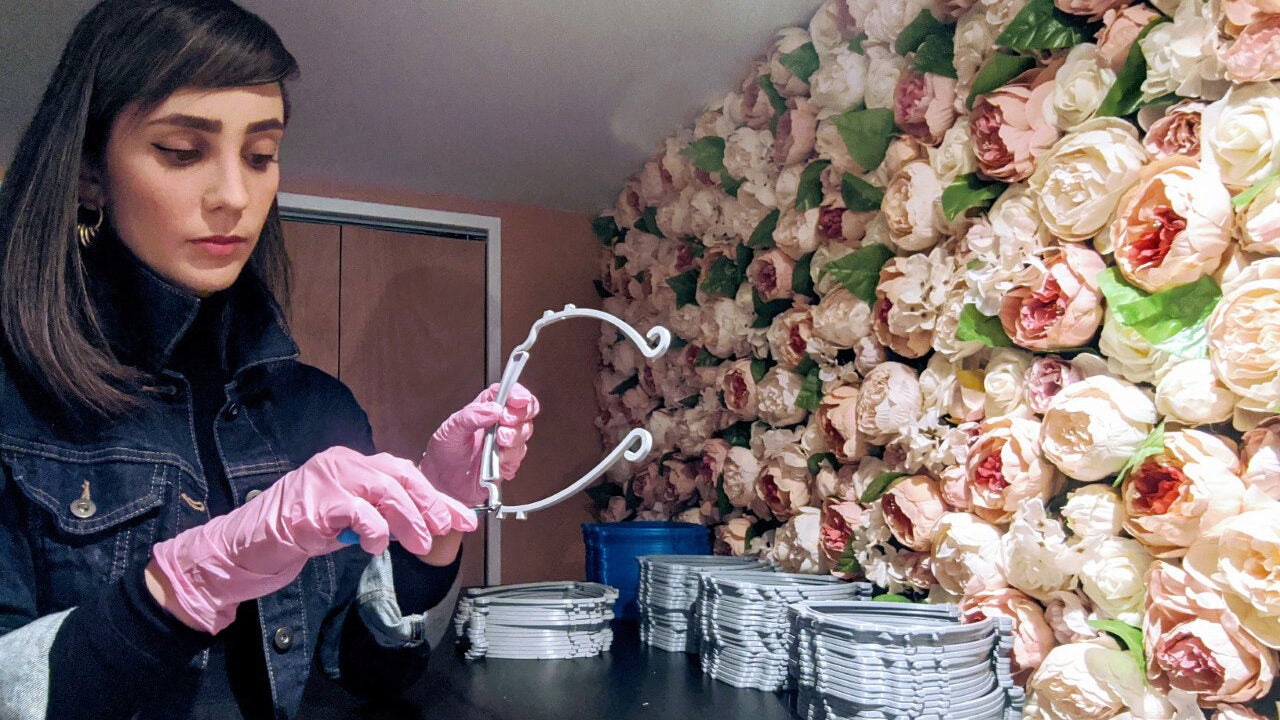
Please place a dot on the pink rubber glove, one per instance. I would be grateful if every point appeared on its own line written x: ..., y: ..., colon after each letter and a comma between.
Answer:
x: 261, y: 546
x: 452, y: 459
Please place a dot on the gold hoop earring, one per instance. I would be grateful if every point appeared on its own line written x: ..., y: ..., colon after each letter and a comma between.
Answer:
x: 87, y: 233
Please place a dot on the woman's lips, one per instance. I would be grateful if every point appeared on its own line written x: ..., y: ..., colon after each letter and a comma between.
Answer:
x: 220, y: 245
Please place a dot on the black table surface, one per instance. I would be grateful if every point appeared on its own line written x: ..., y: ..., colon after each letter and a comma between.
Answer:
x: 632, y: 680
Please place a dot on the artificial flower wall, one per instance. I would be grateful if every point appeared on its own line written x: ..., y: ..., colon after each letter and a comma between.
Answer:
x: 980, y: 301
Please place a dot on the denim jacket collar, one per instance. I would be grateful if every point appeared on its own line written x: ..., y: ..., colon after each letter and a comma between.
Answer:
x: 144, y: 316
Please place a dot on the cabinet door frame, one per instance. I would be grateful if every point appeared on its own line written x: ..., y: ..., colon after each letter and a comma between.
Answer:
x: 463, y: 226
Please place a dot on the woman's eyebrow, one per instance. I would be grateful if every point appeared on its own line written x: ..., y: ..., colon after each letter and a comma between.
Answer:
x: 208, y: 125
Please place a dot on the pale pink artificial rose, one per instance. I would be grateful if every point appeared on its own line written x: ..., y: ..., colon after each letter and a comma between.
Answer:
x: 1068, y: 612
x: 1005, y: 467
x: 797, y: 232
x: 1242, y: 331
x: 796, y: 132
x: 954, y: 484
x: 912, y: 509
x: 650, y: 486
x: 1173, y: 226
x: 844, y: 226
x: 1260, y: 455
x: 837, y: 418
x: 1120, y: 28
x: 902, y: 150
x: 966, y: 554
x: 1177, y: 132
x: 913, y: 339
x: 1255, y: 55
x: 924, y: 105
x: 910, y: 206
x: 1258, y: 223
x: 1195, y: 643
x: 1032, y: 636
x: 1047, y: 377
x: 839, y: 520
x: 739, y: 387
x: 1009, y: 127
x: 714, y: 452
x: 1179, y: 495
x: 841, y: 318
x: 731, y: 537
x: 1240, y: 562
x: 771, y: 273
x: 784, y: 488
x: 889, y: 400
x: 1235, y: 712
x: 1244, y: 12
x: 757, y: 110
x: 789, y: 336
x: 1093, y: 9
x: 1063, y: 308
x: 616, y: 510
x: 682, y: 477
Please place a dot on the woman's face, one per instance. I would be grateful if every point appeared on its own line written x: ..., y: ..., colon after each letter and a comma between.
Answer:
x: 189, y: 184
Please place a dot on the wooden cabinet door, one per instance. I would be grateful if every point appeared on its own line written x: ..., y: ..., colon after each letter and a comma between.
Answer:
x: 315, y: 253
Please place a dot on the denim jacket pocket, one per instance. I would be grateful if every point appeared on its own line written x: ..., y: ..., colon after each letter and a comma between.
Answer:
x: 95, y: 513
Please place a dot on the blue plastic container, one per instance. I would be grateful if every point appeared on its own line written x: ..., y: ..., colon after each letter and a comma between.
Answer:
x: 612, y: 549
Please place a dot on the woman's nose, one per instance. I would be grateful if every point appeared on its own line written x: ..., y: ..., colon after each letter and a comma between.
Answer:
x: 228, y: 188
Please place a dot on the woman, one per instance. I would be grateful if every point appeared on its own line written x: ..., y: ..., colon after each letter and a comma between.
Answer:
x: 173, y: 482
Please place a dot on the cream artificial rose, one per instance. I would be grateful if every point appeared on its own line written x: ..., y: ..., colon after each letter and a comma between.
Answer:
x: 731, y: 537
x: 1241, y: 562
x: 747, y: 153
x: 1078, y: 183
x: 1258, y: 223
x: 1184, y: 56
x: 787, y: 41
x: 888, y: 400
x: 1094, y: 511
x: 1094, y: 426
x: 884, y: 67
x: 1034, y: 552
x: 965, y: 550
x: 1079, y: 87
x: 1005, y: 468
x: 954, y: 156
x: 1069, y: 613
x: 832, y: 26
x: 1173, y: 226
x: 883, y: 22
x: 1240, y: 135
x: 797, y: 232
x: 1130, y: 355
x: 1003, y: 381
x: 1112, y: 575
x: 840, y: 318
x: 784, y: 487
x: 839, y: 82
x: 795, y: 547
x: 1242, y: 334
x: 1082, y: 681
x: 1260, y: 454
x: 1190, y: 394
x: 741, y: 468
x: 909, y: 206
x: 725, y: 327
x: 776, y: 395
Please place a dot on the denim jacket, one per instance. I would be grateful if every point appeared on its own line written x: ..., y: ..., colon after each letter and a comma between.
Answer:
x: 82, y: 506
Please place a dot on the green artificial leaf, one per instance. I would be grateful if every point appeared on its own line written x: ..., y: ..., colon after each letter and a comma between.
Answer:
x: 730, y: 184
x: 625, y: 385
x: 1242, y: 200
x: 802, y: 62
x: 856, y: 44
x: 722, y: 278
x: 741, y: 261
x: 982, y: 328
x: 1125, y: 95
x: 606, y: 230
x: 859, y: 271
x: 762, y: 237
x: 775, y: 98
x: 973, y: 264
x: 759, y: 367
x: 601, y: 494
x: 1127, y: 634
x: 970, y: 191
x: 648, y: 222
x: 1162, y: 101
x: 848, y: 563
x: 677, y: 342
x: 815, y: 462
x: 860, y: 195
x: 937, y: 54
x: 767, y: 311
x: 810, y: 396
x: 916, y: 32
x: 883, y: 483
x: 706, y: 154
x: 706, y: 359
x: 1172, y: 320
x: 601, y: 290
x: 801, y: 277
x: 866, y: 134
x: 806, y: 366
x: 737, y: 434
x: 690, y: 401
x: 1042, y: 26
x: 722, y: 499
x: 809, y: 193
x: 759, y: 528
x: 696, y: 248
x: 891, y: 597
x: 1152, y: 444
x: 999, y: 70
x: 685, y: 286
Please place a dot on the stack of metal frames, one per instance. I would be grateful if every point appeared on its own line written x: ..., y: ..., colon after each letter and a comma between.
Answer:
x: 544, y: 620
x: 893, y: 661
x: 667, y: 591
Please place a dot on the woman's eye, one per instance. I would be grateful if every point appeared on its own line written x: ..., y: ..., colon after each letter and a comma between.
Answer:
x: 262, y: 160
x: 179, y: 156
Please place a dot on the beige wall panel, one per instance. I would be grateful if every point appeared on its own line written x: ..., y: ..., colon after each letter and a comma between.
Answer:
x: 314, y: 253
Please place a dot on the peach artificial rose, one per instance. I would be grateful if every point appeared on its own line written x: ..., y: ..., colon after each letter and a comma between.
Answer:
x: 912, y: 508
x: 1260, y: 455
x: 910, y: 206
x: 770, y: 273
x: 924, y: 105
x: 1063, y: 308
x: 1009, y: 127
x: 1092, y: 9
x: 1005, y: 467
x: 839, y: 520
x: 1173, y: 226
x: 1242, y: 334
x: 797, y: 232
x: 711, y: 465
x: 838, y: 419
x: 1235, y: 712
x: 1177, y: 132
x: 889, y: 400
x: 741, y: 468
x: 796, y: 133
x: 1189, y: 394
x: 1240, y: 562
x: 1255, y: 55
x: 784, y: 487
x: 1085, y: 681
x: 789, y: 335
x: 1258, y: 223
x: 731, y: 537
x: 1120, y: 27
x: 739, y: 387
x: 776, y: 397
x: 1032, y: 636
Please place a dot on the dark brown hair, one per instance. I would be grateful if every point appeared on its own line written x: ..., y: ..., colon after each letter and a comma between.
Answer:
x: 122, y: 52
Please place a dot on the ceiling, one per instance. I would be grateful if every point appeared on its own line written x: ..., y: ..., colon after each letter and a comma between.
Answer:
x: 543, y: 102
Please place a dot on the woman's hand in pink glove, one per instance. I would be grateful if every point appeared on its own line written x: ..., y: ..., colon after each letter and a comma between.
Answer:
x: 452, y: 459
x: 261, y: 546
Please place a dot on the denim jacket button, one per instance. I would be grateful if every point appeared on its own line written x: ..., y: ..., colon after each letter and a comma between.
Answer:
x: 83, y: 508
x: 283, y: 639
x: 251, y: 495
x: 233, y: 409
